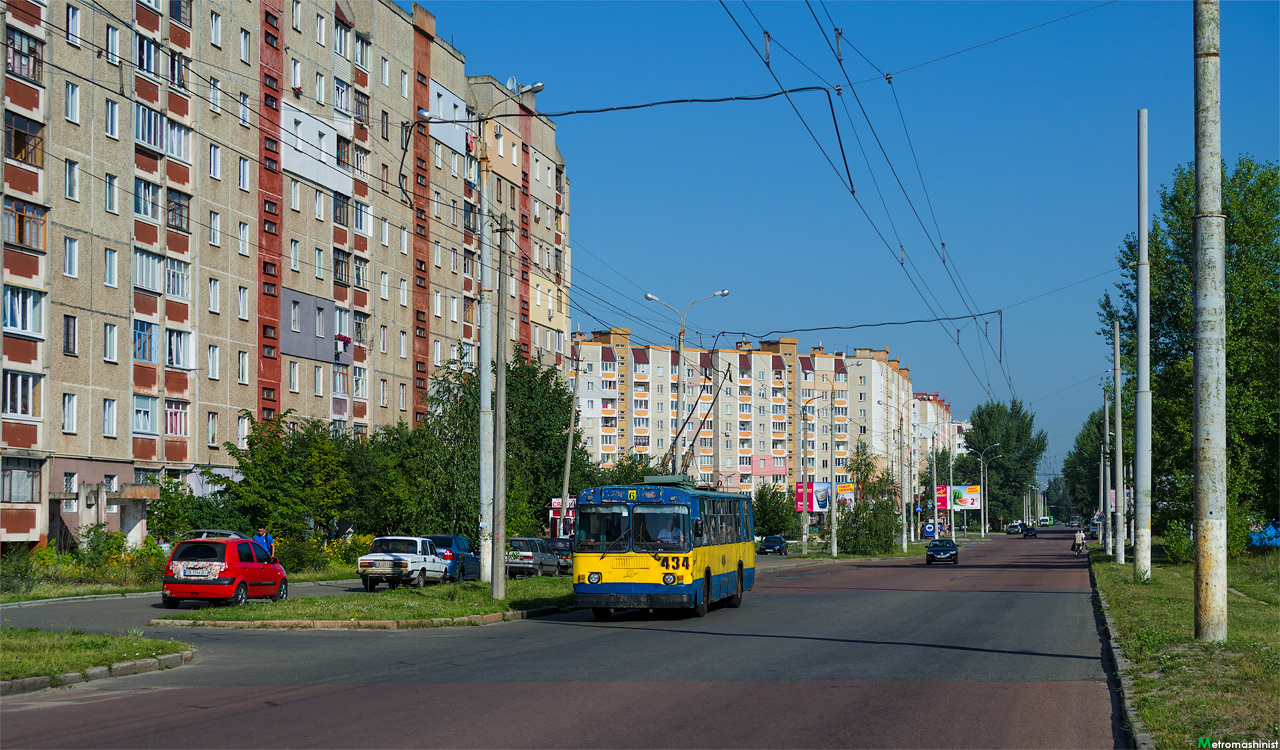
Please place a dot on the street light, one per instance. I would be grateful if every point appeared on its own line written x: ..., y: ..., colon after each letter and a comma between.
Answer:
x: 983, y: 479
x: 902, y: 486
x: 680, y: 419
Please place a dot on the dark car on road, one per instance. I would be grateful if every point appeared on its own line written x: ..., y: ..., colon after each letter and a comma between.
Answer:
x: 773, y: 545
x: 462, y: 562
x: 1028, y: 530
x: 941, y: 550
x: 563, y: 549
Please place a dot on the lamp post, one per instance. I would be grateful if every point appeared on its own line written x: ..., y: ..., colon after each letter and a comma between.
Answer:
x: 801, y: 431
x: 983, y: 478
x: 489, y: 571
x: 680, y: 420
x: 902, y: 485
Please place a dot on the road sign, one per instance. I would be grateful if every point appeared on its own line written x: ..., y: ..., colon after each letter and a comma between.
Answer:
x: 928, y: 529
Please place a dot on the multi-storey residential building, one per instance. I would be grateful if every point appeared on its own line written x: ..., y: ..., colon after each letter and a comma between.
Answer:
x: 234, y: 209
x: 741, y: 406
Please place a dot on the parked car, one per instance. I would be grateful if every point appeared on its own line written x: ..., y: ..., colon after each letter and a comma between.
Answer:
x: 941, y: 550
x: 228, y: 569
x: 394, y: 560
x: 1028, y: 530
x: 461, y: 560
x: 1093, y: 530
x: 207, y: 533
x: 563, y: 550
x: 773, y: 545
x: 527, y: 556
x: 1014, y: 528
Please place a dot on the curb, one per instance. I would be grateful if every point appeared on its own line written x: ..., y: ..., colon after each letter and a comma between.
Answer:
x: 119, y: 669
x: 134, y: 594
x: 1142, y: 739
x: 436, y: 622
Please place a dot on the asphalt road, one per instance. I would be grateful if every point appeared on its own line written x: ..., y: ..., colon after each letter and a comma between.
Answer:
x: 1002, y: 650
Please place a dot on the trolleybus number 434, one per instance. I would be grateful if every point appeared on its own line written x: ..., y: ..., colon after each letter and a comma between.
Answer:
x: 675, y: 563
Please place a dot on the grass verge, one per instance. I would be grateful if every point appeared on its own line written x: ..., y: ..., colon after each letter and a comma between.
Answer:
x: 447, y: 600
x: 1183, y: 689
x: 35, y: 653
x: 47, y: 590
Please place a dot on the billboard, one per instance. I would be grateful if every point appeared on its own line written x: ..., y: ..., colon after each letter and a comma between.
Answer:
x: 814, y: 497
x: 845, y: 494
x: 959, y: 497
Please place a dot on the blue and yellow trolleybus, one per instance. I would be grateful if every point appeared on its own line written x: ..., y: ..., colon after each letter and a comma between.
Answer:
x: 662, y: 544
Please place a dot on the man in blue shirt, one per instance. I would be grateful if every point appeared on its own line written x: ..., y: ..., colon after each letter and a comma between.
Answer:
x: 265, y: 540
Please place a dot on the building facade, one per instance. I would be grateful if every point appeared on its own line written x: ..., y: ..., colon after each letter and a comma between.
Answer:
x: 229, y: 210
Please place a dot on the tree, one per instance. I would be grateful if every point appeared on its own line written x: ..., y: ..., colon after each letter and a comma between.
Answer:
x: 1080, y: 468
x: 774, y: 512
x: 1021, y: 447
x: 169, y: 515
x: 632, y: 468
x: 1251, y: 202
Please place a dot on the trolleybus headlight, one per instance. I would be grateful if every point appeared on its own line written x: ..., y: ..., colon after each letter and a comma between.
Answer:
x: 593, y: 578
x: 668, y: 578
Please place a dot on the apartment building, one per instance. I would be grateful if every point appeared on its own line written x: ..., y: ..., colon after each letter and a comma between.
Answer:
x: 233, y: 209
x: 741, y: 406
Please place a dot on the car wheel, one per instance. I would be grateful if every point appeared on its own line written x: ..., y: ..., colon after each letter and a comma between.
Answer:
x: 393, y: 585
x: 282, y: 591
x: 700, y: 609
x: 957, y: 560
x: 169, y: 602
x: 600, y: 613
x: 241, y: 594
x: 927, y: 561
x: 370, y: 585
x: 421, y: 581
x: 735, y: 601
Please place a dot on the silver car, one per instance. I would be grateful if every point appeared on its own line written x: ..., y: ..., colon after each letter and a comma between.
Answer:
x: 527, y: 556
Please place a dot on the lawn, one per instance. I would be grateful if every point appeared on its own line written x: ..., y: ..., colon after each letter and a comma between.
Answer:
x: 35, y: 653
x: 447, y: 600
x: 51, y: 590
x: 1183, y: 689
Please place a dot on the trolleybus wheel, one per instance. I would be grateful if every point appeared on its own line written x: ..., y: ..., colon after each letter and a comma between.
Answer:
x: 700, y: 609
x: 735, y: 601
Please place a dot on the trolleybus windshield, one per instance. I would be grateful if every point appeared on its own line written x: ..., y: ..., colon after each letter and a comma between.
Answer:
x: 603, y: 528
x: 661, y: 527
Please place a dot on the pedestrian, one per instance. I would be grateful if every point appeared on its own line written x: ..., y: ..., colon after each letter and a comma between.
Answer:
x: 265, y: 540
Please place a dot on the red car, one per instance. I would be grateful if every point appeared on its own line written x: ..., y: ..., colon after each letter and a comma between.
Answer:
x: 222, y: 569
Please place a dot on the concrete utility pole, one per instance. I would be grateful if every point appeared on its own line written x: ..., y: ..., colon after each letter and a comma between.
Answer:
x: 835, y: 496
x: 499, y: 587
x: 799, y: 456
x: 1118, y: 457
x: 1102, y: 463
x: 565, y: 528
x: 1210, y: 431
x: 1142, y: 405
x: 483, y: 364
x: 902, y: 484
x: 1108, y: 538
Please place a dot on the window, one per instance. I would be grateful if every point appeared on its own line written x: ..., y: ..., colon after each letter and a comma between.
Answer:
x: 215, y: 228
x: 341, y: 209
x: 339, y: 380
x: 179, y: 210
x: 146, y: 199
x: 360, y: 273
x: 71, y: 180
x: 404, y: 241
x: 146, y: 55
x: 243, y: 238
x: 215, y: 94
x: 73, y: 25
x: 148, y: 127
x: 364, y: 219
x: 179, y: 67
x: 144, y: 342
x: 382, y: 339
x: 175, y: 417
x: 438, y: 356
x: 109, y: 342
x: 293, y: 377
x: 71, y: 257
x: 23, y: 310
x: 244, y: 45
x: 144, y: 414
x: 69, y: 327
x: 318, y: 381
x: 242, y: 432
x: 214, y: 361
x: 109, y: 417
x: 215, y: 29
x: 242, y: 367
x: 341, y: 94
x: 404, y: 345
x: 26, y: 55
x: 215, y: 295
x: 110, y: 193
x: 211, y: 428
x: 22, y: 396
x: 404, y: 292
x: 177, y: 278
x: 297, y: 15
x: 293, y: 255
x: 71, y: 107
x: 69, y: 413
x: 178, y: 349
x: 319, y: 264
x: 319, y: 88
x: 242, y: 303
x: 320, y: 27
x: 244, y: 174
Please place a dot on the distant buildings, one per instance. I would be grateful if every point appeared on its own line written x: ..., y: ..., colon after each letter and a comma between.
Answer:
x: 741, y: 406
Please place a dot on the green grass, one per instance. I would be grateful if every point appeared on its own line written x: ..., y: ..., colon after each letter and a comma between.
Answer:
x: 448, y: 600
x: 49, y: 590
x: 1184, y: 689
x: 34, y: 653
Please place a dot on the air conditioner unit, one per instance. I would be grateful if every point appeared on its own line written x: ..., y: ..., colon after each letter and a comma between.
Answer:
x: 497, y: 130
x: 338, y: 348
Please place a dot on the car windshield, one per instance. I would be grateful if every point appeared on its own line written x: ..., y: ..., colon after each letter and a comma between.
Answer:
x: 773, y: 540
x: 200, y: 552
x: 603, y: 528
x: 941, y: 543
x: 394, y: 546
x: 661, y: 527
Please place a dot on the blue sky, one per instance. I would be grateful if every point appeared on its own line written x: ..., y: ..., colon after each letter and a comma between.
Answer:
x: 1027, y: 148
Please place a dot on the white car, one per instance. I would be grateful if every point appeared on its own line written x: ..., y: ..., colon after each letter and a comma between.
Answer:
x: 395, y: 560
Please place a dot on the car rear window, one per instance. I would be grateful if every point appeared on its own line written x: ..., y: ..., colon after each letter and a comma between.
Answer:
x: 522, y: 545
x: 394, y: 546
x: 561, y: 544
x: 200, y: 552
x: 442, y: 542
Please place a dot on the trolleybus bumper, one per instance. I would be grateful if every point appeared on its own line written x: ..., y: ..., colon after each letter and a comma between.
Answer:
x: 634, y: 601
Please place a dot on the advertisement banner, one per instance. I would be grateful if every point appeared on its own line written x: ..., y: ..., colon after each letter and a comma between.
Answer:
x: 940, y: 497
x: 845, y: 493
x: 814, y: 497
x: 967, y: 497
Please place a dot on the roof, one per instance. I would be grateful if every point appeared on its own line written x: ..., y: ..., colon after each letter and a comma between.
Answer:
x: 840, y: 365
x: 607, y: 354
x: 640, y: 356
x: 744, y: 362
x: 777, y: 363
x: 704, y: 360
x: 806, y: 363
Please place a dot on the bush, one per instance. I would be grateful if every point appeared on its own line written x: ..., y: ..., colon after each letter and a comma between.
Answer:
x: 868, y: 528
x: 346, y: 550
x: 302, y: 554
x: 18, y: 571
x: 1177, y: 542
x: 100, y: 547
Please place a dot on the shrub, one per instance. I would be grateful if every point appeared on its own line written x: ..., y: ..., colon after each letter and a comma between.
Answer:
x: 302, y: 554
x: 100, y: 547
x: 1177, y: 542
x: 868, y: 528
x: 18, y: 571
